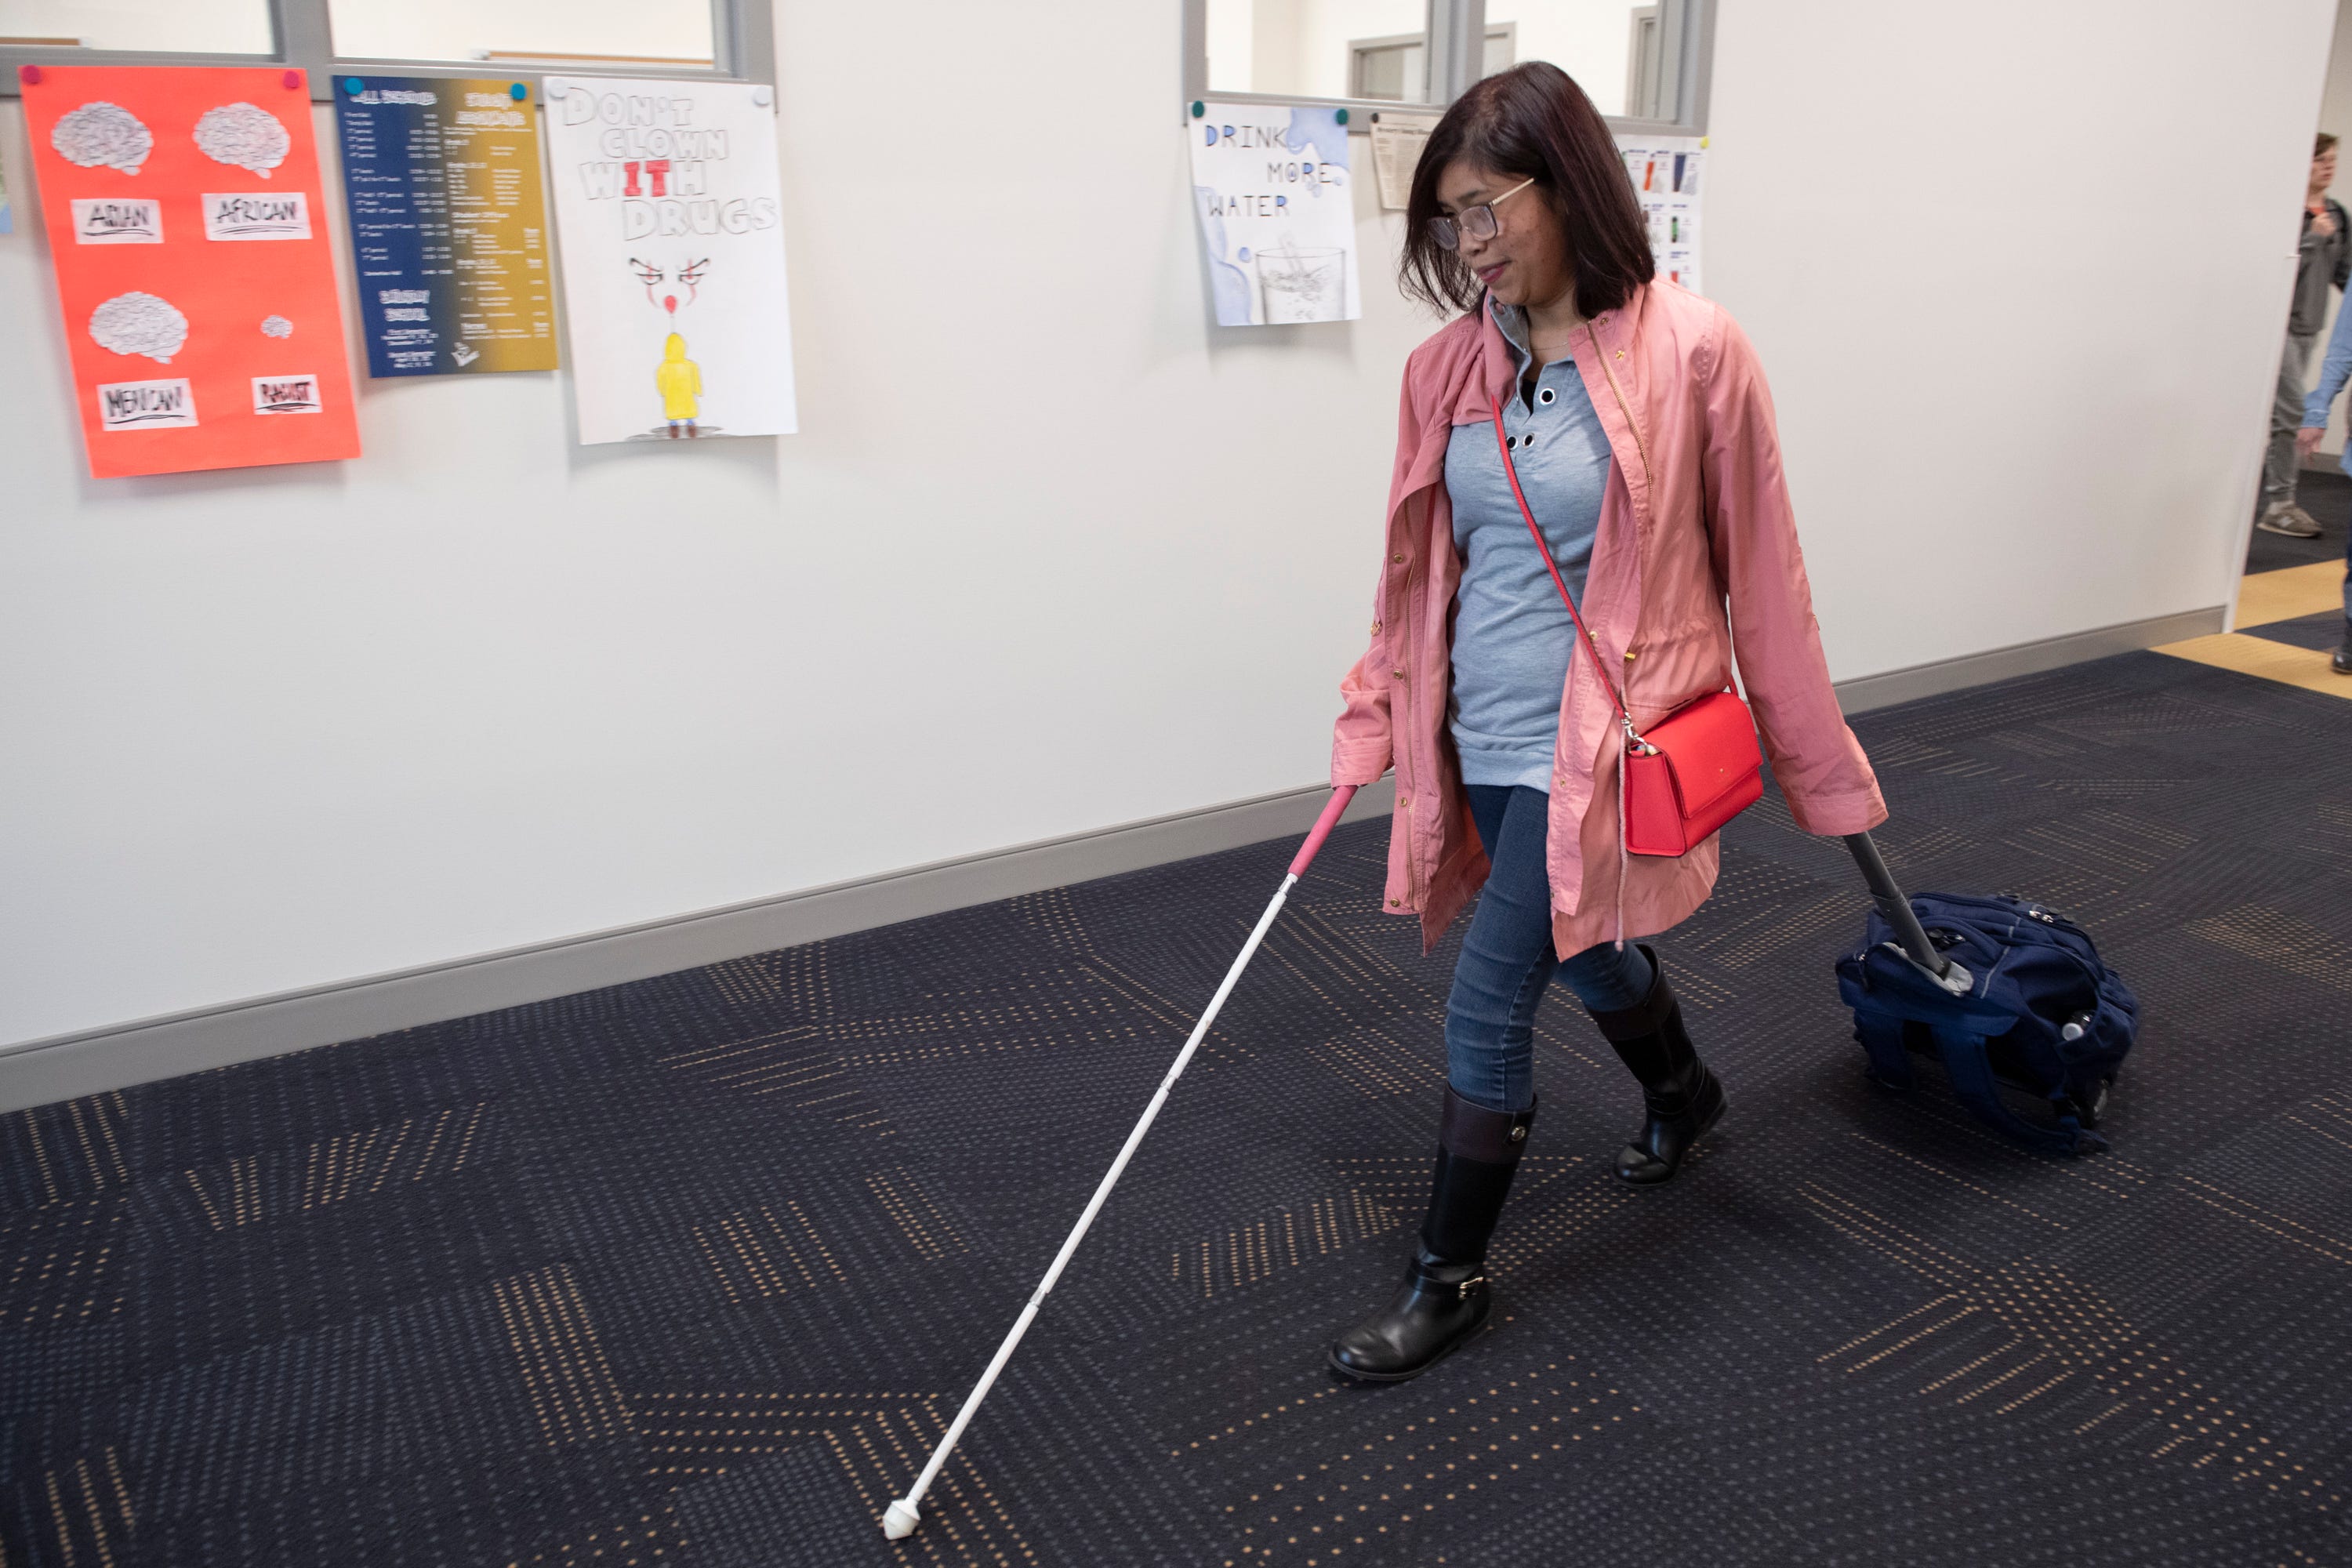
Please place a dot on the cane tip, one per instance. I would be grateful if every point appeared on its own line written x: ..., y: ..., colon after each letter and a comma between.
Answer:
x: 899, y: 1521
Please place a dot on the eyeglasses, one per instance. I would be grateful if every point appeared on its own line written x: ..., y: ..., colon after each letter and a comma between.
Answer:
x: 1474, y: 223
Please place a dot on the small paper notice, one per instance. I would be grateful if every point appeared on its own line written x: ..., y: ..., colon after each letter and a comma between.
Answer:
x: 287, y: 395
x: 118, y: 221
x: 146, y: 405
x: 257, y: 215
x: 1397, y: 140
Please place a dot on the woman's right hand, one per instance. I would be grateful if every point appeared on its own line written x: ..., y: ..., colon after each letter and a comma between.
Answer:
x: 2306, y: 440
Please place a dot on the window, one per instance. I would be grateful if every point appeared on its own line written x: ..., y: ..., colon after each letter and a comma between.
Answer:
x: 1625, y: 55
x: 1502, y: 48
x: 1388, y: 68
x: 602, y: 31
x: 1314, y: 48
x: 1392, y: 70
x: 732, y: 41
x: 49, y: 27
x: 1642, y: 65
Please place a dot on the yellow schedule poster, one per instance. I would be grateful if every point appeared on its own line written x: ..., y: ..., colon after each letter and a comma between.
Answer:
x: 448, y: 224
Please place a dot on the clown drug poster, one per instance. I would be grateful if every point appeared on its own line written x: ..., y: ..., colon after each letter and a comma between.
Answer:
x: 1277, y: 212
x: 667, y: 217
x: 188, y: 230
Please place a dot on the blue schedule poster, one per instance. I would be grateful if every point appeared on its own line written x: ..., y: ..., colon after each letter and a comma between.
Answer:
x: 448, y: 224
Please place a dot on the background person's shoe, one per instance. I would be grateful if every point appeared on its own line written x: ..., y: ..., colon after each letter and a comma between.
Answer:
x: 2342, y: 662
x: 2290, y: 520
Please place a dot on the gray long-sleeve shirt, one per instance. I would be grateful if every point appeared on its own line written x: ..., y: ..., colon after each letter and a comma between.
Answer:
x: 2325, y: 258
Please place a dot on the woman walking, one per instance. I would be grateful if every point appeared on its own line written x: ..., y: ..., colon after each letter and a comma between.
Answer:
x: 1636, y: 417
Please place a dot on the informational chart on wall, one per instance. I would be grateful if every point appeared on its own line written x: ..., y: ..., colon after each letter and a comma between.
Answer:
x: 188, y: 231
x: 1398, y: 137
x: 668, y: 211
x: 1277, y: 212
x: 1665, y: 172
x: 448, y: 224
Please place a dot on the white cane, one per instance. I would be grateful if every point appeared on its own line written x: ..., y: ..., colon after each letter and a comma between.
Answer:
x: 901, y: 1518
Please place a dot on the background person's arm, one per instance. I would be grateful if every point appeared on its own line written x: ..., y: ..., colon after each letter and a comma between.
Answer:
x: 2334, y: 371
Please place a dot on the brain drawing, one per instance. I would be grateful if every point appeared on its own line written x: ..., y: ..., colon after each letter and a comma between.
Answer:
x: 244, y: 137
x: 276, y: 327
x: 101, y: 135
x: 137, y: 324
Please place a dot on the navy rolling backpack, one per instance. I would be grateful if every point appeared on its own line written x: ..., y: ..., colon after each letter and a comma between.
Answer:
x: 2024, y: 1001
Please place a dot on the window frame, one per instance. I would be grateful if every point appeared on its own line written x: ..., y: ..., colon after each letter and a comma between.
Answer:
x: 1357, y: 47
x: 742, y: 37
x: 1455, y: 54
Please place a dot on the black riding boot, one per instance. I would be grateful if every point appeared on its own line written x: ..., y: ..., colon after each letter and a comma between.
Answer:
x: 1443, y: 1299
x: 1682, y: 1097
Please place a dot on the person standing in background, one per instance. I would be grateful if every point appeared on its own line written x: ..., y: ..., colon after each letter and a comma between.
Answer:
x: 2325, y: 256
x: 2333, y: 373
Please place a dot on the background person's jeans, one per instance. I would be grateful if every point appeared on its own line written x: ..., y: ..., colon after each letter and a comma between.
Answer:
x: 2283, y: 465
x: 1507, y: 961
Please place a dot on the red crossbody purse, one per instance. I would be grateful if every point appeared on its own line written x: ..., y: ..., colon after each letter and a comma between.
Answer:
x: 1696, y: 768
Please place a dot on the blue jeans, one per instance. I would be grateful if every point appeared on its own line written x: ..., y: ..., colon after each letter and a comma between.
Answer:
x: 1507, y: 961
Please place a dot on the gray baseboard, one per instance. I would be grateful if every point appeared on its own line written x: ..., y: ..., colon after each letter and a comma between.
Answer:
x: 36, y: 1072
x: 1869, y: 691
x: 64, y: 1067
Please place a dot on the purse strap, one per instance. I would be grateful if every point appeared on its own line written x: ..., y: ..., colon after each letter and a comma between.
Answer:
x: 1543, y: 549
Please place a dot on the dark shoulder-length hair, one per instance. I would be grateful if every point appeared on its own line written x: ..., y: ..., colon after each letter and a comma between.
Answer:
x: 1532, y: 121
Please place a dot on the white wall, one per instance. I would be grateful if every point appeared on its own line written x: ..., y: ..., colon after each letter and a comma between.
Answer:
x: 1053, y: 555
x: 2021, y: 307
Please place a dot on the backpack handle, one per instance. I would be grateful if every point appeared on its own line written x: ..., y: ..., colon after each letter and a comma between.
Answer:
x: 1952, y: 976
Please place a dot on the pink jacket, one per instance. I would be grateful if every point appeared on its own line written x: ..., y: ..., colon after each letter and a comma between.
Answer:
x: 1696, y: 513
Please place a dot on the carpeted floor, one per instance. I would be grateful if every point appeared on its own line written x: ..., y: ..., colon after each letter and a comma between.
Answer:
x: 2322, y: 633
x: 693, y: 1272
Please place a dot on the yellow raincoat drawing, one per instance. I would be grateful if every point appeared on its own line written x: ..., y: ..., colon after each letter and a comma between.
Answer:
x: 679, y: 381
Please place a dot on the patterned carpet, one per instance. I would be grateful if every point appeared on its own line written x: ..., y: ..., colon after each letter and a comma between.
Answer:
x: 693, y: 1272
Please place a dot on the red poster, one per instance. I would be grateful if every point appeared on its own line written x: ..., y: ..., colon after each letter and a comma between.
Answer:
x: 189, y: 236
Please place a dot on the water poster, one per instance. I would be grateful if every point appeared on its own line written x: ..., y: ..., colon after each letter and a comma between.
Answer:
x: 448, y: 224
x: 1666, y: 175
x: 189, y: 234
x: 668, y: 213
x: 1277, y: 212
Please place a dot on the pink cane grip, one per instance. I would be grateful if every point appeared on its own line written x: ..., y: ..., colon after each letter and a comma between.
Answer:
x: 1323, y: 827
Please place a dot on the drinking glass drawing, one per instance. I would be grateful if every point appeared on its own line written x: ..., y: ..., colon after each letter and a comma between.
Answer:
x: 1303, y: 285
